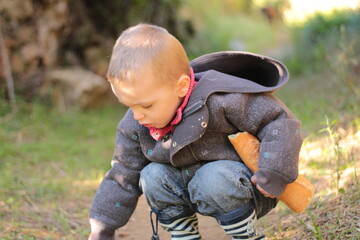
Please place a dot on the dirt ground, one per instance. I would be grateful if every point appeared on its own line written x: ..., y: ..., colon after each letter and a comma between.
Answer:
x: 139, y: 226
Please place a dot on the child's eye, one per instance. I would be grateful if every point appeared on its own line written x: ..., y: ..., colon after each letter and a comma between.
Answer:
x: 147, y: 106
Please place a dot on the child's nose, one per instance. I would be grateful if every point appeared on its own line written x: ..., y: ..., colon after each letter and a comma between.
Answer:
x: 138, y: 115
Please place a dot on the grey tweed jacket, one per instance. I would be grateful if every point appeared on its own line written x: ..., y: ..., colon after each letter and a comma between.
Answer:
x: 233, y: 94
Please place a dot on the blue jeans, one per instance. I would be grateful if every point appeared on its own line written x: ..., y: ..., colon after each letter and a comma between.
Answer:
x: 216, y: 188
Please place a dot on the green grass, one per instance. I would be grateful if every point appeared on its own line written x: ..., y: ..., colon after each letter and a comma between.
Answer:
x: 312, y: 98
x: 43, y: 138
x: 47, y: 161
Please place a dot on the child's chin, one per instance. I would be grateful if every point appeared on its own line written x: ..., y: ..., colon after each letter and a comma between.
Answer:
x: 159, y: 126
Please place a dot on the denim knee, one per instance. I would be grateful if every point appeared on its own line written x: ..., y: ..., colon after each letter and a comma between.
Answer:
x: 156, y: 178
x: 165, y: 190
x: 221, y: 186
x: 150, y: 179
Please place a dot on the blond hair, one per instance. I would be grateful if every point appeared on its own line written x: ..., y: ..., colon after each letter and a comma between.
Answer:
x: 143, y: 46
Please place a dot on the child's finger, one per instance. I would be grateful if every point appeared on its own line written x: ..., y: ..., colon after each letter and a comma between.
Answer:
x: 266, y: 194
x: 254, y: 180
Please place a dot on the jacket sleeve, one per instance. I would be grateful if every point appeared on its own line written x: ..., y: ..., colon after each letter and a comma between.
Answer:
x: 265, y: 117
x: 117, y: 196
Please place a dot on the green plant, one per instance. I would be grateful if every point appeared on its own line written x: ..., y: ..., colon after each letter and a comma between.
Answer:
x: 316, y: 229
x: 337, y: 150
x: 355, y: 171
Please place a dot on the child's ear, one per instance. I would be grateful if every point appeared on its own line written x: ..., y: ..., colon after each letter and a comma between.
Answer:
x: 183, y: 85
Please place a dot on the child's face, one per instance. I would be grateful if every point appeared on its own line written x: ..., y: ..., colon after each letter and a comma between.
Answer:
x: 153, y: 103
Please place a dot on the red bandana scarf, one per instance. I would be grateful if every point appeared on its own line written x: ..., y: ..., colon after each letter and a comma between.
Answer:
x: 158, y: 133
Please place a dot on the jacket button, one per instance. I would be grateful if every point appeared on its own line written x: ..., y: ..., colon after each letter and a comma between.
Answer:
x: 174, y: 144
x: 203, y: 124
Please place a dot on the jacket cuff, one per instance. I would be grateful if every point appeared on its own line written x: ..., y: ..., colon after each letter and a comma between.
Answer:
x: 272, y: 181
x: 100, y: 232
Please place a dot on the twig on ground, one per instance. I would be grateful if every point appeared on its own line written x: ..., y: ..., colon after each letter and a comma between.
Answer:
x: 32, y: 203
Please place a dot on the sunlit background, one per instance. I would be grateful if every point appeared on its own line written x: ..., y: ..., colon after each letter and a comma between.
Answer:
x: 300, y: 9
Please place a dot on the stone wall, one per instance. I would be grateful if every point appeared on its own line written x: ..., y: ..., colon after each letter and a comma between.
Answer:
x: 35, y: 34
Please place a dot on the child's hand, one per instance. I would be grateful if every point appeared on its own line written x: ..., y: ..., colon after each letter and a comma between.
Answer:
x: 266, y: 194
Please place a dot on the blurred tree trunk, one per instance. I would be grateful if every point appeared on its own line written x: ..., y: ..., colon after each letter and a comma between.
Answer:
x: 6, y: 70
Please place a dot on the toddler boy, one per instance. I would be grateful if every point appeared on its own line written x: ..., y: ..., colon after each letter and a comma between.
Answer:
x: 172, y: 144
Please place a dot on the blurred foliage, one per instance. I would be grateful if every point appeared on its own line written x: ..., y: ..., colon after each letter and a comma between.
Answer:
x: 234, y: 6
x: 226, y: 25
x: 108, y: 18
x: 326, y: 50
x: 221, y: 25
x: 111, y: 17
x: 327, y: 39
x: 279, y: 4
